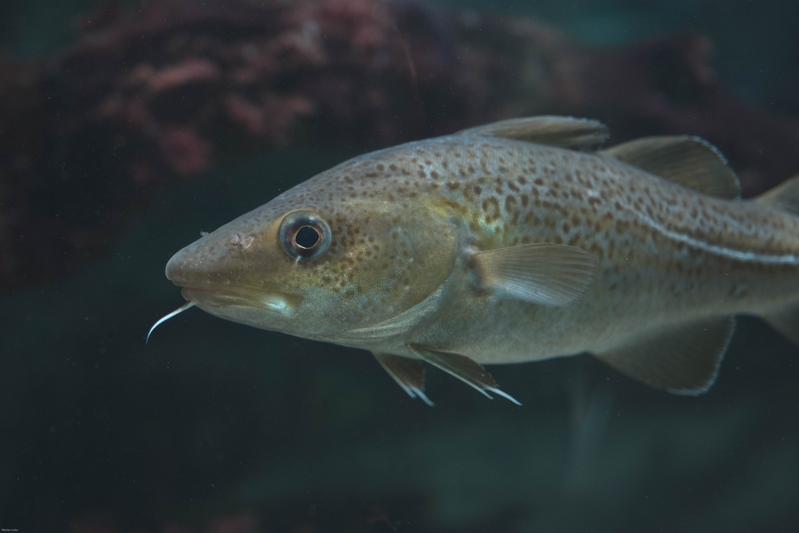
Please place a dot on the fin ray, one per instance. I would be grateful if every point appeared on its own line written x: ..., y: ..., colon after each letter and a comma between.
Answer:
x: 786, y: 321
x: 547, y: 274
x: 682, y: 359
x: 565, y: 132
x: 408, y: 373
x: 464, y: 369
x: 687, y: 160
x: 784, y: 197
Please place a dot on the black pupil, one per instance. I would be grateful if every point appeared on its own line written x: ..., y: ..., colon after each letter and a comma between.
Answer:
x: 307, y: 237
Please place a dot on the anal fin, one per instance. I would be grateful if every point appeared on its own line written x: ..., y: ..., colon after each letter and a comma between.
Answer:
x: 786, y: 321
x: 683, y: 359
x: 408, y: 373
x: 464, y: 369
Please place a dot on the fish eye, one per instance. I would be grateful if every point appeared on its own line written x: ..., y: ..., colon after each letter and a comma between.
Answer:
x: 307, y: 237
x: 304, y: 235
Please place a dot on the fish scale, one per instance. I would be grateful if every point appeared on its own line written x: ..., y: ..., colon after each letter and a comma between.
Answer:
x: 619, y: 213
x: 512, y: 242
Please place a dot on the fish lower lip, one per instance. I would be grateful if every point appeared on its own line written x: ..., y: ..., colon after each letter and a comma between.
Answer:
x: 281, y: 304
x: 203, y: 295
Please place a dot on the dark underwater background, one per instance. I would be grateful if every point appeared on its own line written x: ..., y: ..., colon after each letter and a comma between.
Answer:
x: 126, y: 128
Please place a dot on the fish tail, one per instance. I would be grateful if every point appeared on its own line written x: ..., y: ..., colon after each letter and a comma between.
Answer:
x: 785, y: 197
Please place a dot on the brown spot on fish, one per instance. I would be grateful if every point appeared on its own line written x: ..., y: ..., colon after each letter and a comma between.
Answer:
x: 491, y: 209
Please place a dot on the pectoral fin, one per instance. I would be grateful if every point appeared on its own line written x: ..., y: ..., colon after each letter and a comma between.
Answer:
x: 548, y: 274
x: 566, y: 132
x: 408, y: 373
x: 681, y: 359
x: 464, y: 369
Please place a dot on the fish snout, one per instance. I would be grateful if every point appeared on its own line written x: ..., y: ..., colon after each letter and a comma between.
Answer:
x: 191, y: 266
x: 177, y: 270
x: 195, y: 274
x: 209, y: 264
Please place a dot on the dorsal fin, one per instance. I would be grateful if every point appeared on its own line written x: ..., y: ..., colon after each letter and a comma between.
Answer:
x: 784, y: 196
x: 690, y: 161
x: 566, y: 132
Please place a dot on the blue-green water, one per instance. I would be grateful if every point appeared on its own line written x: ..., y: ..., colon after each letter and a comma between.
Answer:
x: 218, y: 427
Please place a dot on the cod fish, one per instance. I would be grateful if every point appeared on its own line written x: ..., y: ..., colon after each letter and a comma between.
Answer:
x: 512, y: 242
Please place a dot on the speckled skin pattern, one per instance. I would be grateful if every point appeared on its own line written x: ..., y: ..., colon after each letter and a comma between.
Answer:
x: 404, y: 221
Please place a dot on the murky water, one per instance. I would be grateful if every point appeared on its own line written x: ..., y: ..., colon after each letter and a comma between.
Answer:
x: 120, y: 149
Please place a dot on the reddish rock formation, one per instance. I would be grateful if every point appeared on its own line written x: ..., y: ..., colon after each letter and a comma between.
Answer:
x: 160, y: 93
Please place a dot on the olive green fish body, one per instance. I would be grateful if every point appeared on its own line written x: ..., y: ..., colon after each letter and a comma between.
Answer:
x: 489, y: 247
x: 666, y: 253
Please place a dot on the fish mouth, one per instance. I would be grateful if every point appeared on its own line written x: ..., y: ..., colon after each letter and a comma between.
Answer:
x: 277, y: 302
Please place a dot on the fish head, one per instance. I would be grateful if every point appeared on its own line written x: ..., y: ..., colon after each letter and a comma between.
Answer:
x: 315, y: 263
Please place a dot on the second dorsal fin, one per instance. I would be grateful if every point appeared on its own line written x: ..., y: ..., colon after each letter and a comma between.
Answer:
x: 566, y: 132
x: 689, y: 161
